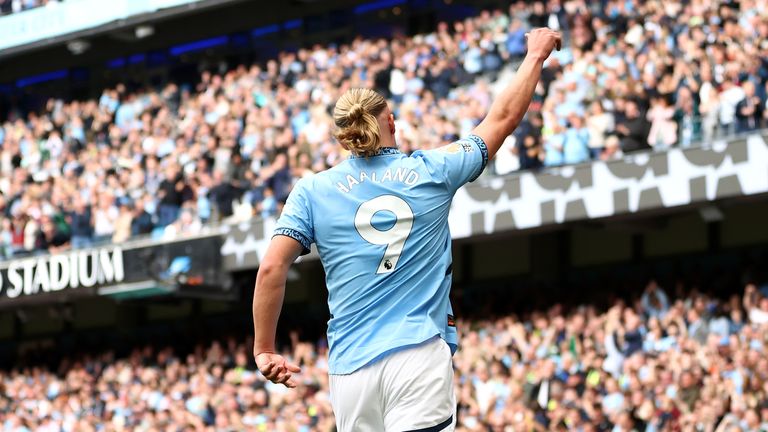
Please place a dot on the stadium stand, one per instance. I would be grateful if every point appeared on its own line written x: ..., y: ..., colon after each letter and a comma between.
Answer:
x: 168, y: 160
x: 657, y: 363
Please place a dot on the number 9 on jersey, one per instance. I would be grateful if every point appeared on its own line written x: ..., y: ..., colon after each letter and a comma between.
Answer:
x: 393, y: 238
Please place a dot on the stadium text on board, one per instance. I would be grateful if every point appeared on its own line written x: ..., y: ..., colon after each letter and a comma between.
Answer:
x: 57, y: 272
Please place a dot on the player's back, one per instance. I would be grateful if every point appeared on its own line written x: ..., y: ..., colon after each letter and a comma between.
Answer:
x: 381, y: 228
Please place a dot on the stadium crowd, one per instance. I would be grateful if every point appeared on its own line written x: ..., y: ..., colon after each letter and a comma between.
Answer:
x: 167, y: 161
x: 694, y: 363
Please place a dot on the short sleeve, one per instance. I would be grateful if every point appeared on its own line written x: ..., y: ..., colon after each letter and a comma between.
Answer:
x: 459, y: 162
x: 296, y: 219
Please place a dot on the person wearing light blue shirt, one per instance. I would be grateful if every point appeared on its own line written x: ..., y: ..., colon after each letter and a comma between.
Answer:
x: 379, y: 221
x: 654, y: 301
x: 516, y: 39
x: 553, y: 147
x: 576, y: 141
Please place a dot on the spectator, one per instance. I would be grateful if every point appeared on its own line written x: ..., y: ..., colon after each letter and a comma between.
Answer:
x: 528, y: 141
x: 599, y: 125
x: 516, y: 39
x: 186, y: 224
x: 729, y: 98
x: 553, y: 147
x: 141, y: 221
x: 203, y: 204
x: 697, y: 328
x: 171, y: 192
x: 397, y: 82
x: 51, y: 236
x: 710, y: 106
x: 123, y: 224
x: 655, y: 301
x: 104, y: 218
x: 278, y: 177
x: 765, y: 108
x: 538, y: 16
x: 576, y: 141
x: 6, y: 237
x: 633, y: 129
x: 268, y: 206
x: 17, y: 234
x: 222, y: 195
x: 663, y: 132
x: 530, y: 152
x: 80, y: 221
x: 748, y: 110
x: 32, y: 231
x: 687, y: 117
x: 756, y: 305
x: 612, y: 149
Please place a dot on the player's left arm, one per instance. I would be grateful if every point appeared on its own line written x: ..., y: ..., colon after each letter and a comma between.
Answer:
x: 510, y: 105
x: 267, y: 302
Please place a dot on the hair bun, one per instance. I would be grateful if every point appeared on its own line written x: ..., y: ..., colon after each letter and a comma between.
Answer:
x: 355, y: 116
x: 356, y: 112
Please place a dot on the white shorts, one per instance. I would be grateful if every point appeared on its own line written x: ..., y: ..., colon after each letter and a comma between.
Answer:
x: 407, y: 391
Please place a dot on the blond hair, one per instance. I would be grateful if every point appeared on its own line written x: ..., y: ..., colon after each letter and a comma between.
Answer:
x: 355, y: 117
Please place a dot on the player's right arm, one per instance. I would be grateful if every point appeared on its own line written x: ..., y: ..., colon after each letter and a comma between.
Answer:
x: 267, y: 302
x: 293, y: 236
x: 510, y: 105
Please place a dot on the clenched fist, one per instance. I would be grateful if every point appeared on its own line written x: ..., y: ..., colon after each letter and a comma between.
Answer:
x: 542, y: 41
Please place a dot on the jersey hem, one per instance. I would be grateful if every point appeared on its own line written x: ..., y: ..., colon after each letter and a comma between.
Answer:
x: 386, y: 352
x: 296, y: 235
x: 483, y: 150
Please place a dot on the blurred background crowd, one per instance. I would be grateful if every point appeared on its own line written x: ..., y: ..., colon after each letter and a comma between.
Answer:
x: 674, y: 359
x: 169, y: 161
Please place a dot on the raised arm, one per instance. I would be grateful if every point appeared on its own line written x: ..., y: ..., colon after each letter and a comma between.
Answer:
x: 510, y: 106
x: 267, y: 302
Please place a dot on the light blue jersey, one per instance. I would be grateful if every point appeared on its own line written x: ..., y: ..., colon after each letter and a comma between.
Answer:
x: 381, y: 228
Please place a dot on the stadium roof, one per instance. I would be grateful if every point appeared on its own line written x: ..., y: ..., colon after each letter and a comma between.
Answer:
x: 189, y: 21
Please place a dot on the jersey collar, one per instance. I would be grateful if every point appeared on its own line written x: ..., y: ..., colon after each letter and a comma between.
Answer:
x: 382, y: 151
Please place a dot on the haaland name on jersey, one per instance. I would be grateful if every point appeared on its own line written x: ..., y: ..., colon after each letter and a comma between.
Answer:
x: 401, y: 174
